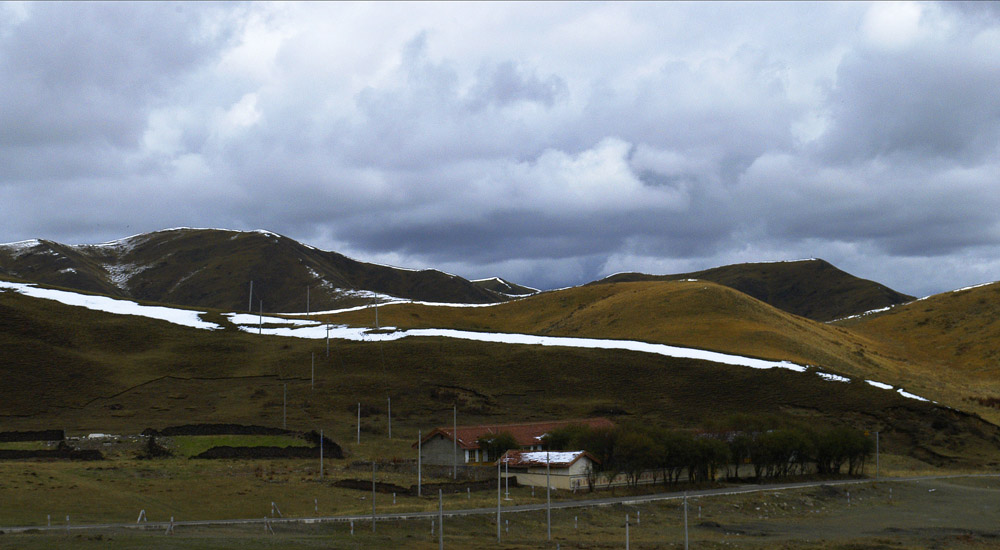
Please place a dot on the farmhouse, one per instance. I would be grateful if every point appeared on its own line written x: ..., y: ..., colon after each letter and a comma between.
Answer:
x: 562, y: 469
x: 440, y: 446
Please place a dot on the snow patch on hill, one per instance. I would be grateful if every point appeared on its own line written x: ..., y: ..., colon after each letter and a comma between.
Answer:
x: 307, y: 328
x: 20, y: 248
x: 183, y: 317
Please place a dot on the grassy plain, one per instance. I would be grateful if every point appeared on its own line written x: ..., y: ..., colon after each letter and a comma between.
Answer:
x: 959, y: 513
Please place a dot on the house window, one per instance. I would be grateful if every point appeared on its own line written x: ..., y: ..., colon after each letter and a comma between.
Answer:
x: 467, y: 455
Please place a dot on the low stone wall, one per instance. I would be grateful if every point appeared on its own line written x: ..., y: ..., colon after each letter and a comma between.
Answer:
x: 427, y: 489
x: 225, y: 451
x: 37, y: 435
x: 216, y: 429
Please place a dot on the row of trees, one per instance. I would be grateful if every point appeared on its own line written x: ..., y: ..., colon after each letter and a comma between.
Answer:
x: 771, y: 449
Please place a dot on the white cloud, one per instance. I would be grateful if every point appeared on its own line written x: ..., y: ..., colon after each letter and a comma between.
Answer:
x: 893, y: 25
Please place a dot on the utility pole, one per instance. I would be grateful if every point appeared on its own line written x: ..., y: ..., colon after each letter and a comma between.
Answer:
x: 321, y: 453
x: 548, y: 496
x: 376, y: 314
x: 328, y: 339
x: 498, y: 500
x: 506, y: 479
x: 454, y: 441
x: 685, y: 520
x: 260, y: 318
x: 876, y: 456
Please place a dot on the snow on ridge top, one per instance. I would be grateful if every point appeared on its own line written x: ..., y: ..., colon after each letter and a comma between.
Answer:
x: 28, y: 243
x: 785, y: 261
x: 869, y: 312
x: 392, y: 300
x: 19, y: 248
x: 183, y: 317
x: 497, y: 279
x: 974, y: 286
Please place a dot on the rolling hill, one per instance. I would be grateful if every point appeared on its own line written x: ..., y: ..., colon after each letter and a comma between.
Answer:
x: 812, y: 288
x: 704, y: 315
x: 214, y: 268
x: 953, y: 337
x: 86, y: 370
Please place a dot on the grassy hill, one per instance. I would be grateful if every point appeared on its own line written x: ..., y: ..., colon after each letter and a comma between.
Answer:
x: 697, y: 314
x: 88, y: 371
x: 705, y: 315
x: 950, y: 337
x: 213, y: 268
x: 814, y: 289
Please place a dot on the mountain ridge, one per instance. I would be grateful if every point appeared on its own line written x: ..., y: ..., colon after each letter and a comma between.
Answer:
x: 215, y: 267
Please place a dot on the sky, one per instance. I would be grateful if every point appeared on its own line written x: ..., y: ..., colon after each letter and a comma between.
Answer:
x: 547, y: 143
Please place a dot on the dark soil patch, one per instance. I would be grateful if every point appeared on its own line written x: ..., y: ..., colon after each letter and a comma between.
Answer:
x: 37, y: 435
x: 216, y: 429
x: 62, y: 453
x: 225, y: 451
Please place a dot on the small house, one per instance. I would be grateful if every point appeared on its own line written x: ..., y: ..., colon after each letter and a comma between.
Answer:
x: 563, y: 469
x: 441, y: 447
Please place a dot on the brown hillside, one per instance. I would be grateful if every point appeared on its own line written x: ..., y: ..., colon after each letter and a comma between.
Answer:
x: 953, y: 337
x: 692, y: 314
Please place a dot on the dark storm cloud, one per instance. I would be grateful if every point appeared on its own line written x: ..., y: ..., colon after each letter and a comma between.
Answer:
x: 550, y: 144
x: 83, y: 72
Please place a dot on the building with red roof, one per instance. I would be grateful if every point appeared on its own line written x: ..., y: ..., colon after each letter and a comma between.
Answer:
x: 440, y: 445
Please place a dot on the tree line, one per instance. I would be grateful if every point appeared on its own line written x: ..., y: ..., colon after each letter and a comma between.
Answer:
x: 770, y: 446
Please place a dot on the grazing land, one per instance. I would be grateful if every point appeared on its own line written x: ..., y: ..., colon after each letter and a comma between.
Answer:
x: 935, y: 513
x: 85, y: 371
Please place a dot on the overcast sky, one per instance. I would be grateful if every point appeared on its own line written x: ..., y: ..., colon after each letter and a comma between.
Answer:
x: 550, y: 144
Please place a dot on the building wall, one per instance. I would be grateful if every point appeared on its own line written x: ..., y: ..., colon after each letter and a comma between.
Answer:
x: 439, y: 450
x: 573, y: 477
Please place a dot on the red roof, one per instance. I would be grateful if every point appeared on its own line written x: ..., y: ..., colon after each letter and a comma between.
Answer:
x: 525, y: 434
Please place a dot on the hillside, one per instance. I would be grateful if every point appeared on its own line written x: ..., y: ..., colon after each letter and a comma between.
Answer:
x: 213, y: 268
x: 697, y: 314
x: 85, y: 371
x: 811, y: 288
x: 703, y: 315
x: 953, y: 336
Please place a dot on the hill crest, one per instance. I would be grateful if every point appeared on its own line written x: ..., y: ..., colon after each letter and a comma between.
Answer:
x: 811, y: 288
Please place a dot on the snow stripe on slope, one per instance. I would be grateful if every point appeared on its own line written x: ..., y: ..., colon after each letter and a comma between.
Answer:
x: 183, y: 317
